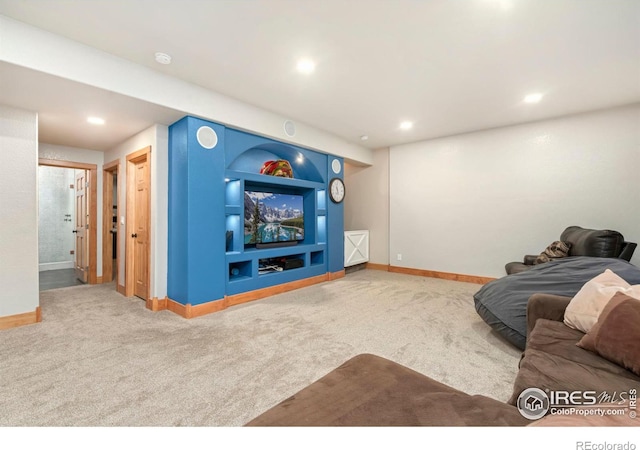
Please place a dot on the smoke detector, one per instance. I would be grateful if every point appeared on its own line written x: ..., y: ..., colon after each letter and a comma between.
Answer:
x: 163, y: 58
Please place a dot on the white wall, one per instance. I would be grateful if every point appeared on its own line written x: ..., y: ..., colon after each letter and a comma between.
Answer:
x: 157, y: 137
x: 366, y: 203
x: 19, y: 205
x: 61, y: 153
x: 56, y: 218
x: 471, y: 203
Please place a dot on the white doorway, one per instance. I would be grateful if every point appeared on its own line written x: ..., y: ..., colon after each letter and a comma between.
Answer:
x: 67, y: 210
x: 56, y: 226
x: 110, y: 219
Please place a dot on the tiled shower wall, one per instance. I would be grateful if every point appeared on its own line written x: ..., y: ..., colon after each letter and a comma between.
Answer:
x: 56, y: 218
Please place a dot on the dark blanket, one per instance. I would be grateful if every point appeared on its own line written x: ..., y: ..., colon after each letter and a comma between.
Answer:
x: 502, y: 303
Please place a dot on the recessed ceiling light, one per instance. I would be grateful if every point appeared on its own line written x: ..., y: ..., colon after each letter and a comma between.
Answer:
x: 533, y: 98
x: 364, y: 137
x: 406, y: 125
x: 163, y: 58
x: 503, y: 4
x: 306, y: 66
x: 95, y: 120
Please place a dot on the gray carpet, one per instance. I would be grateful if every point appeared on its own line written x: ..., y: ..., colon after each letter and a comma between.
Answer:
x: 100, y: 359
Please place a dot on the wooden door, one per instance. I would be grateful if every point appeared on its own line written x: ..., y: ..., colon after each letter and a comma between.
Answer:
x: 139, y: 226
x: 110, y: 256
x: 82, y: 237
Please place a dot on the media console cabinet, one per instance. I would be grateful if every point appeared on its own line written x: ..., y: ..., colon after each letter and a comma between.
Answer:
x: 209, y: 265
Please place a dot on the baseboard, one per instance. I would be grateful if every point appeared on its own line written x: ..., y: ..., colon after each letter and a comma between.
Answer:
x: 18, y: 320
x: 121, y: 290
x: 155, y: 304
x: 278, y: 289
x: 441, y: 275
x: 43, y: 267
x: 189, y: 311
x: 336, y: 275
x: 376, y: 266
x: 99, y: 280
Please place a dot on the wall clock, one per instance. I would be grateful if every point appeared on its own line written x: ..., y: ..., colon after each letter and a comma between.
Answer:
x: 336, y: 190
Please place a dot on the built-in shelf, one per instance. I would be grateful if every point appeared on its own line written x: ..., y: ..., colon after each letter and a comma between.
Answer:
x: 246, y: 264
x: 207, y: 257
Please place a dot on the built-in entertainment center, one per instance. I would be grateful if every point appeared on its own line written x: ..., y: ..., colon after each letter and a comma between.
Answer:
x: 236, y: 234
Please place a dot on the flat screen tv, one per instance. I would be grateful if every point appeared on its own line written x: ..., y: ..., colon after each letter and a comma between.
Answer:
x: 272, y: 219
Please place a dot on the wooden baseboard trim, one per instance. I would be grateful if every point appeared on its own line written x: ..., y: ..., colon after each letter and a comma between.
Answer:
x: 375, y: 266
x: 189, y: 311
x: 155, y: 304
x: 273, y: 290
x: 336, y: 275
x: 99, y: 280
x: 121, y: 289
x: 442, y: 275
x: 18, y: 320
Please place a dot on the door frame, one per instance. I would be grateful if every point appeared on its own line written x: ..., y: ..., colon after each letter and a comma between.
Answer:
x: 93, y: 209
x: 132, y: 159
x: 108, y: 172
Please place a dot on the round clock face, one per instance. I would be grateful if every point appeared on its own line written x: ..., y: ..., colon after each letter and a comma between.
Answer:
x: 336, y: 190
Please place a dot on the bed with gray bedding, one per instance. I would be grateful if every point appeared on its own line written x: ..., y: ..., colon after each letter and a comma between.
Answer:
x: 502, y: 303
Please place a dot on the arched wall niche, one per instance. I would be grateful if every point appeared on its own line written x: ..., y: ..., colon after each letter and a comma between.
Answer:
x: 252, y: 159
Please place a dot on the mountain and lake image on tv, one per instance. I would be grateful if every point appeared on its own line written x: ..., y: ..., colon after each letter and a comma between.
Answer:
x: 273, y: 218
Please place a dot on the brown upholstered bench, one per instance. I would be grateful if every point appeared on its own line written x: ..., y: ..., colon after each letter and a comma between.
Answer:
x: 369, y: 390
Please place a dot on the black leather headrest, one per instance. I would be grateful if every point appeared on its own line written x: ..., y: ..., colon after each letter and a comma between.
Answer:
x: 598, y: 243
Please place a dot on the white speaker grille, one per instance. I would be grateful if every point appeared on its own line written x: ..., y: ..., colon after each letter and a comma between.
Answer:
x: 289, y: 128
x: 207, y: 137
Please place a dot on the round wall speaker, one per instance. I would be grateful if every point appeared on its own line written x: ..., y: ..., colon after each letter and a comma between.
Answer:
x: 207, y: 137
x: 336, y: 166
x: 289, y: 128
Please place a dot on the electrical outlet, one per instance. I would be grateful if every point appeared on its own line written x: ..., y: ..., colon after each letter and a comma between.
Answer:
x: 399, y: 257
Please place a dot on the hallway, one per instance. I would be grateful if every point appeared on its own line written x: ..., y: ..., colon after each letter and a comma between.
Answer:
x: 53, y: 279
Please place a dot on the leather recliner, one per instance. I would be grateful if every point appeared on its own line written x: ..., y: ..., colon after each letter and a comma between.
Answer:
x: 584, y: 242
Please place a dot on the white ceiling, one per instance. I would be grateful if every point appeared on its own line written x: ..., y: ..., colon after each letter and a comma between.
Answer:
x: 449, y: 66
x: 63, y: 106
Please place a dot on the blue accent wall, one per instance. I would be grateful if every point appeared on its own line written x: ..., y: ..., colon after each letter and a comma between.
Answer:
x: 196, y: 215
x: 178, y: 264
x: 335, y: 225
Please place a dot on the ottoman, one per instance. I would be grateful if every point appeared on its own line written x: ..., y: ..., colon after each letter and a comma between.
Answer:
x: 369, y: 390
